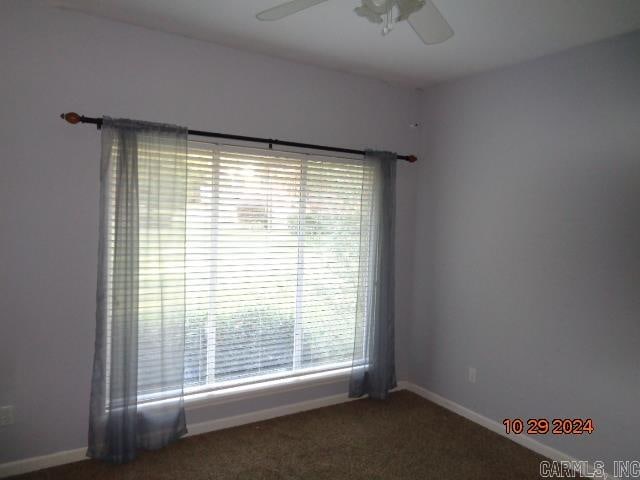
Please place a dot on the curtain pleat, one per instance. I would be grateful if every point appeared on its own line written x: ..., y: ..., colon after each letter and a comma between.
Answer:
x: 142, y: 229
x: 373, y: 369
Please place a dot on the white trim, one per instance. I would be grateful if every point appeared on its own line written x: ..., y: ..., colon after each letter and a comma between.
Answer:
x: 266, y: 414
x: 524, y: 440
x: 45, y: 461
x: 207, y: 398
x: 261, y: 389
x: 69, y: 456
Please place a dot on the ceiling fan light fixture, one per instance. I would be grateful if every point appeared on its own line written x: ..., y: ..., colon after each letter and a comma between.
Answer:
x: 423, y: 16
x: 366, y: 12
x: 388, y: 11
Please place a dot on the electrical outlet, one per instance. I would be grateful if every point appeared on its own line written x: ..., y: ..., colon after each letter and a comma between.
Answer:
x: 473, y: 375
x: 6, y: 415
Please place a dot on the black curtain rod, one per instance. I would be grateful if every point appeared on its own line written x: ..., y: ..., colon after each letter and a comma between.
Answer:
x: 74, y: 118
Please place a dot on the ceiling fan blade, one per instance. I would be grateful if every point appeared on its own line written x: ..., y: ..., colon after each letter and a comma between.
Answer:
x: 286, y: 9
x: 430, y: 25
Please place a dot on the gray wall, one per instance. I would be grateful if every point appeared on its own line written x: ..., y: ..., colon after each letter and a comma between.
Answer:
x: 52, y: 61
x: 528, y: 244
x: 527, y: 216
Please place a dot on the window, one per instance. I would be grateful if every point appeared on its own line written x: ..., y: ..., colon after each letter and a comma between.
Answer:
x: 279, y: 249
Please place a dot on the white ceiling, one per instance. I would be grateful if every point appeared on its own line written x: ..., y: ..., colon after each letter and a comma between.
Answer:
x: 488, y: 33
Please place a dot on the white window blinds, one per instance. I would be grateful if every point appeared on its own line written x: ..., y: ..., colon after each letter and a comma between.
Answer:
x: 279, y: 255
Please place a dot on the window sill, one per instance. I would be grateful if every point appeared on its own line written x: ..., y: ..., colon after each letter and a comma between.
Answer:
x: 216, y: 397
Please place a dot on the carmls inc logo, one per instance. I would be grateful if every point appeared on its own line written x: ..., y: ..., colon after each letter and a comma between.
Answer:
x: 583, y: 469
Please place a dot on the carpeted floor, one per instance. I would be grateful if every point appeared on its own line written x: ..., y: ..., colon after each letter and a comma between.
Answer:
x: 404, y: 438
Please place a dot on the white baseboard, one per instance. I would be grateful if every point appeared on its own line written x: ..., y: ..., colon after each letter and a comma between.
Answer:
x: 524, y: 440
x: 75, y: 455
x: 45, y: 461
x: 266, y: 414
x: 69, y: 456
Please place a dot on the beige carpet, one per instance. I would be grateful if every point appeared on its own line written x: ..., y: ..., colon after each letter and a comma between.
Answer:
x: 404, y: 438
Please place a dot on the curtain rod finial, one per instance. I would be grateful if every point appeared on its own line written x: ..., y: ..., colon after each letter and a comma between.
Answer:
x: 412, y: 158
x: 71, y: 117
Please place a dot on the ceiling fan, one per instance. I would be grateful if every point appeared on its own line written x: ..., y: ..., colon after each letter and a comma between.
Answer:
x: 423, y: 16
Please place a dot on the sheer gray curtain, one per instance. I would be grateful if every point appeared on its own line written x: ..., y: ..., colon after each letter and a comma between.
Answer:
x: 137, y: 401
x: 373, y: 370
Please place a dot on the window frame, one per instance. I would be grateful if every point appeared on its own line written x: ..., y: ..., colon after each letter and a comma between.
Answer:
x: 271, y: 383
